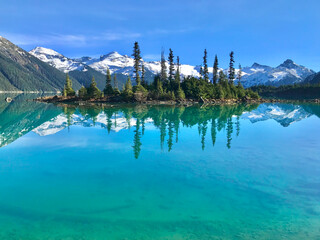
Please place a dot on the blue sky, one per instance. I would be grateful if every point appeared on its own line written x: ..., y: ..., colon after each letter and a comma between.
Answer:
x: 267, y: 32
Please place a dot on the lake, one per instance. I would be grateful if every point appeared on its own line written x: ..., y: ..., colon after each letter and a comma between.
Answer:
x: 159, y: 172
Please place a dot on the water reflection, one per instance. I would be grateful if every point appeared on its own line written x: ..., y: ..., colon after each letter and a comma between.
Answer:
x: 20, y: 117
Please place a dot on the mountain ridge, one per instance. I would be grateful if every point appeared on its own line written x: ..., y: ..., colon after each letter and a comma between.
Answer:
x: 287, y: 72
x: 21, y: 71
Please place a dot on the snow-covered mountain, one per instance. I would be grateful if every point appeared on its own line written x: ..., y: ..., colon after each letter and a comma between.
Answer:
x: 56, y: 59
x: 286, y: 73
x: 285, y: 114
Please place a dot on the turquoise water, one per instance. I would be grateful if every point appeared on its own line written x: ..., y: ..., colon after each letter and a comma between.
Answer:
x: 143, y: 172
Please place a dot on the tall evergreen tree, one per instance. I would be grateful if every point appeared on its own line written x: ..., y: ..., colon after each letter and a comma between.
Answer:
x: 177, y: 74
x: 115, y: 84
x: 215, y: 70
x: 205, y: 66
x: 239, y: 75
x: 171, y: 67
x: 231, y: 68
x: 137, y: 58
x: 68, y: 90
x: 115, y: 81
x: 201, y: 72
x: 163, y: 72
x: 93, y: 90
x: 108, y: 90
x: 143, y: 75
x: 127, y: 89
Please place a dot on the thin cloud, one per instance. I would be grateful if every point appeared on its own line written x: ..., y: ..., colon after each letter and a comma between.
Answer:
x: 159, y: 31
x: 68, y: 39
x: 152, y: 57
x: 113, y: 36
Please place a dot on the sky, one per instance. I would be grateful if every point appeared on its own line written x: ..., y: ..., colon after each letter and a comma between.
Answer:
x: 266, y: 32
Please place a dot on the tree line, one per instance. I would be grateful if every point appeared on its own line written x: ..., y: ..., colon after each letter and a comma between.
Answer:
x: 169, y: 84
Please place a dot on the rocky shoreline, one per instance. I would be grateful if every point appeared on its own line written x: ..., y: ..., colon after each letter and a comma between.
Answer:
x: 78, y: 101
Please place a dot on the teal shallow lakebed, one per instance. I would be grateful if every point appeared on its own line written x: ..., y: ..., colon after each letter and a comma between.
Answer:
x: 159, y: 172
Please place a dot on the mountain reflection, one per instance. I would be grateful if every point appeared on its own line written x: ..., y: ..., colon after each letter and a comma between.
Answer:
x: 20, y: 117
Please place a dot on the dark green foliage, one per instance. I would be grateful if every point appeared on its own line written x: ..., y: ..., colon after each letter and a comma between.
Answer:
x: 93, y: 91
x: 68, y: 90
x: 127, y: 92
x: 82, y: 92
x: 205, y: 66
x: 231, y: 68
x: 199, y: 88
x: 137, y: 59
x: 295, y: 92
x: 163, y: 72
x: 140, y: 93
x: 239, y: 75
x: 215, y: 70
x: 108, y: 90
x: 201, y: 72
x: 180, y: 94
x: 171, y: 68
x: 177, y: 77
x: 116, y: 90
x: 143, y: 76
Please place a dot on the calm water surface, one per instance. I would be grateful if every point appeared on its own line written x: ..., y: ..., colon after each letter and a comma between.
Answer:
x: 142, y: 172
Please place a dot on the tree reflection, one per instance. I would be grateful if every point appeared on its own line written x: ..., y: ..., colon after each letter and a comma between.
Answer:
x: 168, y: 120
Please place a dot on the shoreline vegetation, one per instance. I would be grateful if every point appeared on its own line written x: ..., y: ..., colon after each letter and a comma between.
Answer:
x: 168, y: 87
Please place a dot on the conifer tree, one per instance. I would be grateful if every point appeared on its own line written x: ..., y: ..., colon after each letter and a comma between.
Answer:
x: 177, y: 75
x: 201, y: 72
x: 180, y: 93
x: 127, y: 90
x: 137, y: 57
x: 171, y: 67
x: 163, y: 72
x: 115, y: 81
x: 222, y: 78
x: 108, y: 90
x: 143, y: 74
x: 231, y: 68
x: 115, y: 84
x: 93, y: 90
x: 128, y: 86
x: 205, y: 66
x: 239, y: 75
x: 215, y: 70
x: 68, y: 90
x: 82, y: 92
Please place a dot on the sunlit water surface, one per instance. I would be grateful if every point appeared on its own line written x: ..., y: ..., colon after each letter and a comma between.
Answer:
x: 143, y: 172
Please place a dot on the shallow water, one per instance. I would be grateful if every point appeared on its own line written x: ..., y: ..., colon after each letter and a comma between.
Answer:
x: 143, y: 172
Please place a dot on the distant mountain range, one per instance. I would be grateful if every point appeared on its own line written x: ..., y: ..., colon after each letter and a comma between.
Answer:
x: 286, y: 73
x: 44, y: 69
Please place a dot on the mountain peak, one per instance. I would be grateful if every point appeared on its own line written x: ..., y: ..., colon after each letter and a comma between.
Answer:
x: 112, y: 54
x: 46, y: 51
x: 260, y: 66
x: 288, y: 64
x: 288, y: 61
x: 256, y: 65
